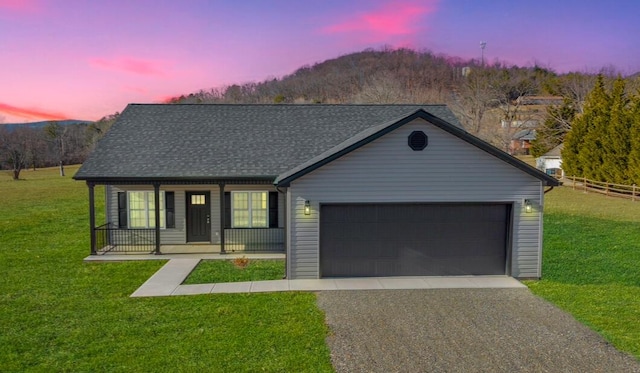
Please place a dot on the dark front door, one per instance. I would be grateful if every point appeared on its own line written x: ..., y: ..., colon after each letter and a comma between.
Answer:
x: 413, y: 239
x: 198, y: 217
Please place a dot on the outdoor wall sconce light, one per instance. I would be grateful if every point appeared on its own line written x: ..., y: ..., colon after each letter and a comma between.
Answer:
x: 307, y: 207
x: 528, y: 206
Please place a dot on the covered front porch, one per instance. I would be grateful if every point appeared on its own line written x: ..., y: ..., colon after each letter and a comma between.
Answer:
x: 181, y: 217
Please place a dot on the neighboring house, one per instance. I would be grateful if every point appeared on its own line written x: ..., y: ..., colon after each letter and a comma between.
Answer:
x: 540, y: 100
x: 551, y: 162
x: 529, y: 123
x: 344, y: 190
x: 521, y: 142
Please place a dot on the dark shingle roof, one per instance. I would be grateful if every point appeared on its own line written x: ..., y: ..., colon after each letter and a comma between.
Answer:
x: 528, y: 134
x: 260, y: 142
x: 152, y: 141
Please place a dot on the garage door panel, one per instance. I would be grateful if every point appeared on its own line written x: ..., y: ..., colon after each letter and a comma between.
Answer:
x: 413, y: 239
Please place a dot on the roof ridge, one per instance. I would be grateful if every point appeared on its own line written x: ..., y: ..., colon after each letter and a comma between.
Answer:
x: 281, y: 105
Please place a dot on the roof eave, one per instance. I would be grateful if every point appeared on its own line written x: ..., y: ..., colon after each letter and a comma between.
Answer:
x: 265, y: 179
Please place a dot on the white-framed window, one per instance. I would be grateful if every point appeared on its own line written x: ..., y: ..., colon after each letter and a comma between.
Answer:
x: 142, y: 211
x: 250, y: 209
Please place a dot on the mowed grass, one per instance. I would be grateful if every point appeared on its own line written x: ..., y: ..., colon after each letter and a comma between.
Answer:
x: 213, y: 271
x: 60, y: 314
x: 591, y: 263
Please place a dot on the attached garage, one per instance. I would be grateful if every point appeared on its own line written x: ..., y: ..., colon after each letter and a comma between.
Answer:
x: 415, y: 196
x: 420, y: 239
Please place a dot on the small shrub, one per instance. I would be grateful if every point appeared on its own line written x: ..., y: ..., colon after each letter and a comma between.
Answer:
x: 241, y: 262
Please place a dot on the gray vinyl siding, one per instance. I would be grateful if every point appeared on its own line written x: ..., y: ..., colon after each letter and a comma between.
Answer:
x: 177, y: 235
x: 387, y: 170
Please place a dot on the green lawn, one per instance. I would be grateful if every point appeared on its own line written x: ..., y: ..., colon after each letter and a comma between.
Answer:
x: 591, y: 263
x: 212, y: 271
x: 60, y: 314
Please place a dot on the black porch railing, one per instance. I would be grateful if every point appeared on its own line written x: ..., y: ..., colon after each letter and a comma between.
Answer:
x: 110, y: 238
x: 254, y: 239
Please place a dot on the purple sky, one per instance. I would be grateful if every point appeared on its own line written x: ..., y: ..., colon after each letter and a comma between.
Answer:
x: 85, y: 59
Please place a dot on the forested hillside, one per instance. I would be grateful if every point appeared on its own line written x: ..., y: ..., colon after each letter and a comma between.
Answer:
x: 489, y: 99
x: 492, y: 100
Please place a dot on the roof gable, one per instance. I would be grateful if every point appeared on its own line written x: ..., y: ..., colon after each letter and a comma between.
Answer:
x: 374, y: 133
x: 555, y: 152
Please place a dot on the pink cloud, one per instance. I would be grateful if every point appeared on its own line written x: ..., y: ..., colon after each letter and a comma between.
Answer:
x: 130, y: 65
x: 393, y: 19
x: 165, y: 99
x: 31, y: 113
x: 25, y: 6
x: 130, y: 88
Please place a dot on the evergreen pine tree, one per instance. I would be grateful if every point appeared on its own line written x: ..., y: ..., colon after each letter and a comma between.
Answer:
x: 595, y: 120
x: 616, y: 140
x: 573, y: 140
x: 581, y: 155
x: 634, y: 143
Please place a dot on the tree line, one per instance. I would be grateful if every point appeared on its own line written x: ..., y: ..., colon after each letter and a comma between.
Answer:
x: 51, y: 145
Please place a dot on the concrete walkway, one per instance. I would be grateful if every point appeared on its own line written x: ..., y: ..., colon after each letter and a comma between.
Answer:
x: 167, y: 281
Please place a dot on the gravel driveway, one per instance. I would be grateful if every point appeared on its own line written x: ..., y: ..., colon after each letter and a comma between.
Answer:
x: 461, y: 330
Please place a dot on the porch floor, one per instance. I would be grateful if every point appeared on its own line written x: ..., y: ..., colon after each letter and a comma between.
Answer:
x: 196, y: 248
x: 168, y: 281
x: 118, y: 257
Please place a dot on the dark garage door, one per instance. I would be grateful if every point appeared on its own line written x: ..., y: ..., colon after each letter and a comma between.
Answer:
x: 413, y: 239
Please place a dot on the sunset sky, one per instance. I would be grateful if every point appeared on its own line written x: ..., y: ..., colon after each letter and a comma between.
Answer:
x: 84, y: 59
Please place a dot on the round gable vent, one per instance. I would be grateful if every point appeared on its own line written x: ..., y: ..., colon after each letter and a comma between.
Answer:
x: 418, y: 140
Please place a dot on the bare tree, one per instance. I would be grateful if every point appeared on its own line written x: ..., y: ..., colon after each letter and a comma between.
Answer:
x: 57, y: 134
x: 575, y: 86
x: 37, y: 147
x: 14, y: 149
x: 381, y: 88
x: 473, y: 98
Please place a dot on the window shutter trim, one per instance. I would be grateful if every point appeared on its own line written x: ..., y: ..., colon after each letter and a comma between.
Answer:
x: 273, y: 209
x: 122, y: 210
x: 170, y: 210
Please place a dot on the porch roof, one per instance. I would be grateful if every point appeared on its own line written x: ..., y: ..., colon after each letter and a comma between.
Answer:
x: 214, y: 143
